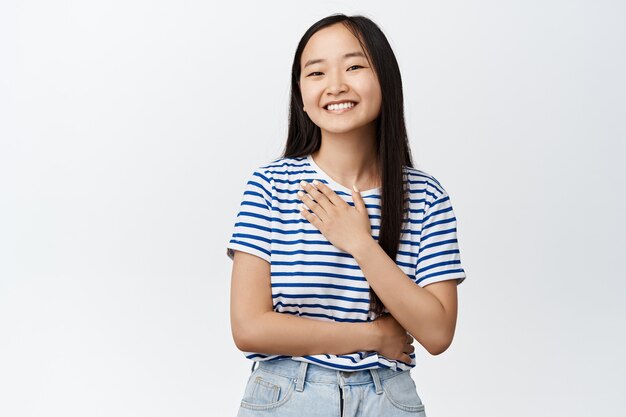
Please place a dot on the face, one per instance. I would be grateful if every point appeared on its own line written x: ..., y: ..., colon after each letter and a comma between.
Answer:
x: 334, y: 69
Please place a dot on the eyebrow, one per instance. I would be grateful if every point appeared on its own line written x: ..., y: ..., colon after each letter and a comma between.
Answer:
x: 348, y: 55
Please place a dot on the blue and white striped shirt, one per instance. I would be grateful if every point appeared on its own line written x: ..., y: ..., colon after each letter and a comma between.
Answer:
x: 312, y: 278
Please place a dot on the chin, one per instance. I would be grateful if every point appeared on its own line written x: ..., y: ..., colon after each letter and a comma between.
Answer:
x: 342, y: 128
x: 335, y: 129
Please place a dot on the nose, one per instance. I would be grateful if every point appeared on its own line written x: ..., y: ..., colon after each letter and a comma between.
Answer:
x: 336, y: 83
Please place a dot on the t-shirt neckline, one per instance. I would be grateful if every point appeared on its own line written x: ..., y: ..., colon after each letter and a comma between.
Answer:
x: 334, y: 183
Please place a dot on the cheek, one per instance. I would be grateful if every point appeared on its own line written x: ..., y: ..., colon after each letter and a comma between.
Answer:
x: 370, y: 90
x: 310, y: 96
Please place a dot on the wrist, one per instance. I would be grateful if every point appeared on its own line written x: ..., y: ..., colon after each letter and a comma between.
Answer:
x: 363, y: 248
x: 371, y: 336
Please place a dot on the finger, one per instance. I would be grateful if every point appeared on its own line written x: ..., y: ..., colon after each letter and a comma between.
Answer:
x: 359, y: 203
x: 312, y: 218
x: 406, y: 359
x: 319, y: 197
x: 329, y: 193
x: 319, y: 211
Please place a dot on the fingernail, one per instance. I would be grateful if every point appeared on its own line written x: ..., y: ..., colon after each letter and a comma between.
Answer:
x: 355, y: 189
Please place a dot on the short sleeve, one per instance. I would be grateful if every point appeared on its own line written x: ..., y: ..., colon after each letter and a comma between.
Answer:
x: 439, y: 258
x: 252, y: 229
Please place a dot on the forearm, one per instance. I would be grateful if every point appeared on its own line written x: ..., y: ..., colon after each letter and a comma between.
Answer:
x: 276, y: 333
x: 414, y: 307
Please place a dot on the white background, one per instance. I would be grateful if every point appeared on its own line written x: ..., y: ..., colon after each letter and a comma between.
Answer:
x: 128, y: 129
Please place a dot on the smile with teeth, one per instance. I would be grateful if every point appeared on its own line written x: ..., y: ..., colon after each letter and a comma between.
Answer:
x: 341, y: 107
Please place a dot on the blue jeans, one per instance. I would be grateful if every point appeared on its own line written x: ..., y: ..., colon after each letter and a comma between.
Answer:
x: 289, y: 388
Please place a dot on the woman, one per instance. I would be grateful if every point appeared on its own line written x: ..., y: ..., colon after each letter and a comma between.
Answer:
x: 323, y: 291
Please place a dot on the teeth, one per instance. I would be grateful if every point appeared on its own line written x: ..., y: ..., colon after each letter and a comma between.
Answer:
x: 340, y: 106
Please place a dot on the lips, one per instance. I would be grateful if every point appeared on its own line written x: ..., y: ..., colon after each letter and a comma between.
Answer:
x: 339, y: 102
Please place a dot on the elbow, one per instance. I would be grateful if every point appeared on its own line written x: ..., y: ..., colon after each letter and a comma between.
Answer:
x: 241, y: 341
x: 248, y: 334
x: 439, y: 345
x: 437, y: 349
x: 243, y: 337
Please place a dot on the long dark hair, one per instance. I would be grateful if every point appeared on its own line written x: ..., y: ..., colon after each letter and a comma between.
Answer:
x: 393, y: 150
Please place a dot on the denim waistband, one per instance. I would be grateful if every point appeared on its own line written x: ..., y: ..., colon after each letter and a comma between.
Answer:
x: 314, y: 373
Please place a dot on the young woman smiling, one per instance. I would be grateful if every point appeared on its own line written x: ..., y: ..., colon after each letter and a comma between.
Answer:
x: 331, y: 285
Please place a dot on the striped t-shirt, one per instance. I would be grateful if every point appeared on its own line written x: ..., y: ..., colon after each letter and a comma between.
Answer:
x: 312, y: 278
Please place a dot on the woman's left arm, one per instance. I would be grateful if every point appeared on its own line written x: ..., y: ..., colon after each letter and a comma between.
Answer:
x: 428, y: 313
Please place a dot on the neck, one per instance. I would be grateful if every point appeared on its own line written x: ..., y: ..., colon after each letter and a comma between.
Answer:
x: 350, y: 157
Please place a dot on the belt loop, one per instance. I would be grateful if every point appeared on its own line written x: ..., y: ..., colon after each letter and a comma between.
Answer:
x: 376, y: 378
x: 253, y: 363
x: 301, y: 375
x: 340, y: 380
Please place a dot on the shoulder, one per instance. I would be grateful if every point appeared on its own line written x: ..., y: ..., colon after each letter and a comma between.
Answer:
x: 275, y: 174
x: 424, y: 185
x: 280, y: 166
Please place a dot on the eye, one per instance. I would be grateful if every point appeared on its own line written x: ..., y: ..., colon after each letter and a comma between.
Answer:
x: 315, y: 72
x: 355, y: 66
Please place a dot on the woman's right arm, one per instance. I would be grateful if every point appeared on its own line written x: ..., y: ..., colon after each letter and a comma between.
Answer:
x: 256, y: 327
